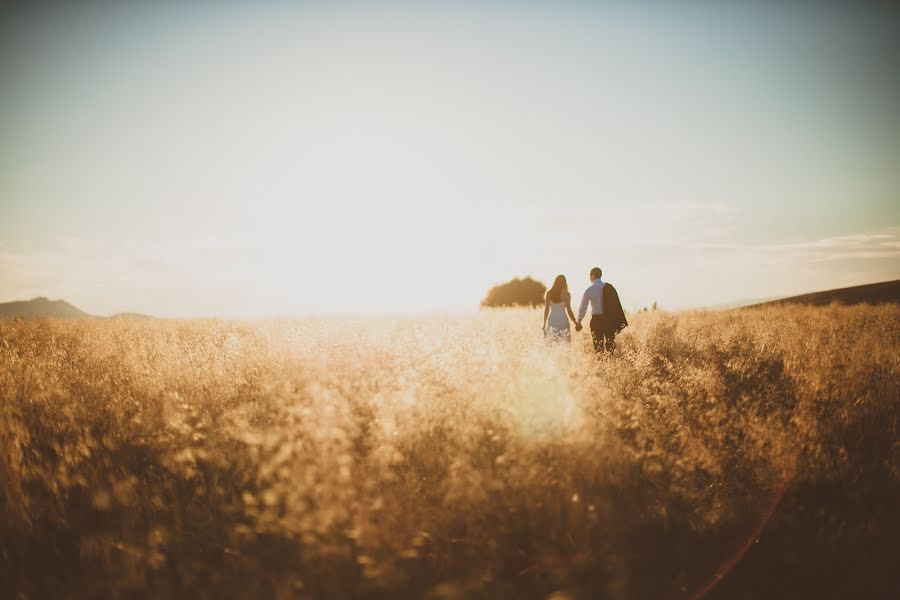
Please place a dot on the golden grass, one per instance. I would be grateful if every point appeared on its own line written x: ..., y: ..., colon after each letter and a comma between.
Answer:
x: 449, y: 457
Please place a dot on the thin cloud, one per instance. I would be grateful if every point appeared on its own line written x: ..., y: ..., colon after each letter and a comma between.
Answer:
x: 865, y: 245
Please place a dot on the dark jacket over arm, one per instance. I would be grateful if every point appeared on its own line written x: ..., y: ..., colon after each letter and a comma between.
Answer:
x: 614, y: 316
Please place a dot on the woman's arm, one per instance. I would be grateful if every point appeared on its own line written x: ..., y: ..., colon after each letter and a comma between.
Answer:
x: 546, y: 312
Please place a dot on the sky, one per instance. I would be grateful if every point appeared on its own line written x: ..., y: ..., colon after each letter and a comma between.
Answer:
x: 272, y: 158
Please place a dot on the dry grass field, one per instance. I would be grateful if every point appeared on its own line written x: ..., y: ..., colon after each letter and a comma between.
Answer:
x: 452, y: 458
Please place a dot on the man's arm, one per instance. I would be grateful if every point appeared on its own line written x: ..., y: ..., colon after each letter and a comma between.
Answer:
x: 584, y: 304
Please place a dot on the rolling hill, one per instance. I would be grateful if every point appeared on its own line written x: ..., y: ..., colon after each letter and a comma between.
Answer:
x: 886, y: 292
x: 59, y: 309
x: 41, y: 307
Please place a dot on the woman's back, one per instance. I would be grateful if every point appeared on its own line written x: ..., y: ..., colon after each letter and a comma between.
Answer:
x: 558, y: 318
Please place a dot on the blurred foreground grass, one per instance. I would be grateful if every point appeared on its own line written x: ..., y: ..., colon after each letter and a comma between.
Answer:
x: 452, y: 458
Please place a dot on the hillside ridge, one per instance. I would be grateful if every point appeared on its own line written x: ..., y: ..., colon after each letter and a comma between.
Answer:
x: 884, y: 292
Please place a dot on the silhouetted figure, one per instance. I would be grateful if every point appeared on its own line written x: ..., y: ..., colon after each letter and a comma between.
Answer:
x: 607, y: 316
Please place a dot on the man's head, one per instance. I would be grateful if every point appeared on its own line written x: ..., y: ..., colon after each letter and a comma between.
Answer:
x: 596, y: 273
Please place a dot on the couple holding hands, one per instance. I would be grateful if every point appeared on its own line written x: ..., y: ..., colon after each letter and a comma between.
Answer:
x: 607, y: 316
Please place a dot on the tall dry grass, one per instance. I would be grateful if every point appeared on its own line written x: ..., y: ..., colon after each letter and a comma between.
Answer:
x: 452, y: 458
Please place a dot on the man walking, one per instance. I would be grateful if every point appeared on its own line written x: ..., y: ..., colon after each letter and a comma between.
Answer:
x: 607, y: 316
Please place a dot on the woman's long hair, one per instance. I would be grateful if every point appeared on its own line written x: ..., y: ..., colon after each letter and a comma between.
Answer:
x: 555, y: 294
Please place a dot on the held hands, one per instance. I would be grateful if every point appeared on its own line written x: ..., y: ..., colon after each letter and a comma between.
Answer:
x: 578, y: 327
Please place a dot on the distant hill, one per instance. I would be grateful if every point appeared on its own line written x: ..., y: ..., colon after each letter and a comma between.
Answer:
x: 41, y: 307
x: 887, y: 292
x: 60, y: 309
x: 132, y: 316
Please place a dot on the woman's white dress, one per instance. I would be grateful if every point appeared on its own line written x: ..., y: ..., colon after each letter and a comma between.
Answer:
x: 558, y: 322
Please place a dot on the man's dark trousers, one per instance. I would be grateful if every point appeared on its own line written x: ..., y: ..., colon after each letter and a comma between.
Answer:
x: 603, y: 335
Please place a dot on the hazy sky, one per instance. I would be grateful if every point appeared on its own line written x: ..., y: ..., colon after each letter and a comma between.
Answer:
x: 276, y: 158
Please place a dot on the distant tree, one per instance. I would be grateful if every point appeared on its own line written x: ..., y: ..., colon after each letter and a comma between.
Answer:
x: 516, y: 292
x: 654, y: 305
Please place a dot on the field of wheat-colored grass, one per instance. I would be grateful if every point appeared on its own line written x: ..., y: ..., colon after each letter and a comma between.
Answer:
x: 452, y: 457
